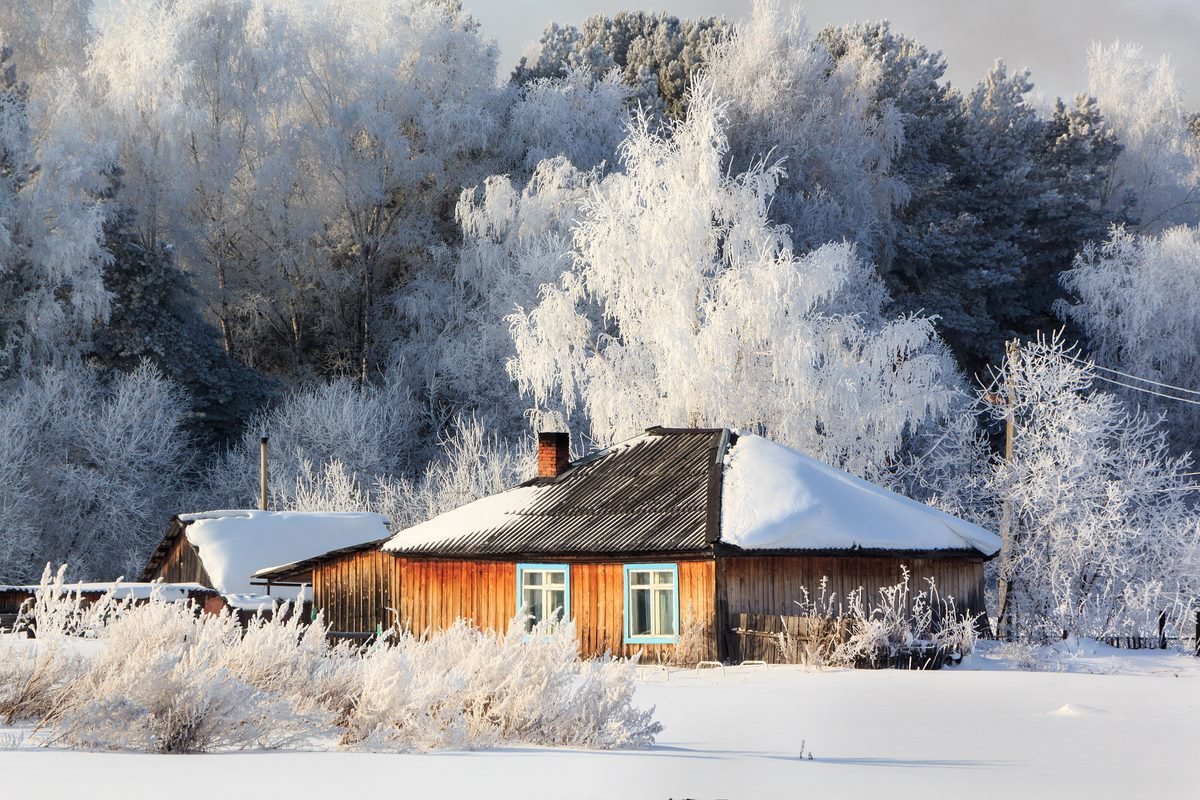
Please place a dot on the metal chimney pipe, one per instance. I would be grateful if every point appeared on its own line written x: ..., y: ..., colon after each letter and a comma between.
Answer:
x: 262, y: 473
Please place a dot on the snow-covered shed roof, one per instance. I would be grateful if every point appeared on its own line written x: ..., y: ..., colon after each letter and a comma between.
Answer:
x: 678, y: 490
x: 234, y: 545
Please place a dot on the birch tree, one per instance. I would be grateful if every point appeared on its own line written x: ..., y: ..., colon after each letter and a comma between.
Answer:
x: 684, y: 305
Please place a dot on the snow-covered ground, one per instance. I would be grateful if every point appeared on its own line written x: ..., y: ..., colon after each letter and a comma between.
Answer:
x: 1107, y: 724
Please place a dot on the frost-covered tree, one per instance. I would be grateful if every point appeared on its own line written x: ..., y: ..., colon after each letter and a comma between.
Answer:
x: 92, y: 469
x: 1077, y: 157
x: 1104, y: 538
x: 46, y: 36
x: 1157, y: 175
x: 789, y: 97
x: 303, y: 161
x: 398, y: 99
x: 657, y: 54
x: 1137, y: 300
x: 579, y: 117
x: 515, y: 240
x: 157, y: 316
x: 52, y: 255
x: 198, y: 93
x: 910, y: 81
x: 682, y: 304
x: 368, y: 432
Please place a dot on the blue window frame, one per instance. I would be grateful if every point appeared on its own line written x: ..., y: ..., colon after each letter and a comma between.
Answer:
x: 651, y: 603
x: 543, y: 589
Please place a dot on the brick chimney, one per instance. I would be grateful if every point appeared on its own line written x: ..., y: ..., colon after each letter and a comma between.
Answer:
x: 554, y: 453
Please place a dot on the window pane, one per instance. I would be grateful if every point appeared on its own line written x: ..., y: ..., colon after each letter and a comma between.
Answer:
x: 664, y: 577
x: 556, y: 578
x: 532, y: 578
x: 639, y: 578
x: 535, y: 599
x: 639, y: 613
x: 557, y: 601
x: 665, y: 616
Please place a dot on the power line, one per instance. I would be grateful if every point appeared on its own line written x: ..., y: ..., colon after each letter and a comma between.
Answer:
x: 1147, y: 391
x: 1133, y: 377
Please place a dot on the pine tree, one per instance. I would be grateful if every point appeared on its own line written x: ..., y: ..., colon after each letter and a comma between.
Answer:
x: 655, y: 54
x: 157, y: 318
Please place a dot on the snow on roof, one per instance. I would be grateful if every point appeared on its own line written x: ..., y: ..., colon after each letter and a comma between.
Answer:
x: 775, y: 498
x: 233, y: 545
x: 487, y: 512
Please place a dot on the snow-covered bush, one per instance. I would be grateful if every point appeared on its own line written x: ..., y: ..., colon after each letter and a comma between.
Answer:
x: 33, y: 675
x: 288, y: 657
x: 463, y: 688
x: 899, y: 628
x: 901, y: 625
x: 166, y: 678
x: 163, y: 685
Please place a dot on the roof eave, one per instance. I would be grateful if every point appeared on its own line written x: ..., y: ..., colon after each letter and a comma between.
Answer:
x: 732, y: 550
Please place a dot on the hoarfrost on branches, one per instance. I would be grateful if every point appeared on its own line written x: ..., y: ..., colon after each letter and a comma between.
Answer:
x: 1158, y: 170
x: 1104, y: 539
x: 1137, y: 300
x: 683, y: 304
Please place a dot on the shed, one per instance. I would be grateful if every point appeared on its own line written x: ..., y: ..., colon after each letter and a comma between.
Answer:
x: 673, y: 534
x: 223, y: 549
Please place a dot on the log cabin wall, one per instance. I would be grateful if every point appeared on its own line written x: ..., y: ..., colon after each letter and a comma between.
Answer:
x: 182, y: 564
x: 773, y: 584
x: 356, y: 590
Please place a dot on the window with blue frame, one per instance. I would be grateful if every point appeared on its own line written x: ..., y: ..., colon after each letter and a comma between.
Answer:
x: 543, y: 590
x: 651, y: 603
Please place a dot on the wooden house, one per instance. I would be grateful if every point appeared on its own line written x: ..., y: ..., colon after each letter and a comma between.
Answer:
x: 660, y: 540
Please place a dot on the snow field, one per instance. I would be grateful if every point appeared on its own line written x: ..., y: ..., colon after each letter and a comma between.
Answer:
x: 983, y: 730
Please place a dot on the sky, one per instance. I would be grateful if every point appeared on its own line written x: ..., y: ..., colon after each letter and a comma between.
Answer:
x: 1051, y: 37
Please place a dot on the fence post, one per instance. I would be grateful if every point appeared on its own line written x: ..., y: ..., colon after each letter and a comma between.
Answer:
x: 1198, y: 634
x: 1162, y: 630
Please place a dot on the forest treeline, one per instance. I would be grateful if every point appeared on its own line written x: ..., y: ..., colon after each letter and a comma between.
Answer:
x: 331, y: 223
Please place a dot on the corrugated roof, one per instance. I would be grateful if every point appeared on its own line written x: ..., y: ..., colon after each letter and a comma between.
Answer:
x: 658, y: 492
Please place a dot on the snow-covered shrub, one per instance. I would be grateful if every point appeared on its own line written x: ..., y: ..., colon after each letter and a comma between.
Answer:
x: 692, y: 646
x: 902, y: 625
x: 163, y: 685
x: 901, y: 628
x: 290, y: 658
x: 33, y: 674
x: 166, y: 678
x: 59, y: 609
x: 464, y: 688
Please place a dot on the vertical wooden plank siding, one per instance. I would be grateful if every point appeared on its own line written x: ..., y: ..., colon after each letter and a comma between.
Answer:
x: 182, y: 565
x: 359, y: 591
x: 774, y: 584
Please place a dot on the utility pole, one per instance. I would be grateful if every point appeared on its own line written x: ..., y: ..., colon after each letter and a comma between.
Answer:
x: 1013, y: 351
x: 262, y: 473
